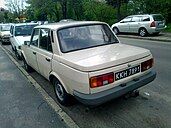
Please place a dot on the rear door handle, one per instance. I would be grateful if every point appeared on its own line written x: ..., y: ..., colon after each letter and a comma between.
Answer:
x: 34, y: 53
x: 48, y: 59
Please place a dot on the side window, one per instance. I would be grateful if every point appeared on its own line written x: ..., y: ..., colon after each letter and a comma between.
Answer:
x: 35, y: 37
x: 146, y: 18
x: 127, y: 19
x: 45, y: 41
x: 135, y: 19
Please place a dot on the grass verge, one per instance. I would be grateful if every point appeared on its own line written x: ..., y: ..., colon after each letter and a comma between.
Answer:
x: 168, y: 29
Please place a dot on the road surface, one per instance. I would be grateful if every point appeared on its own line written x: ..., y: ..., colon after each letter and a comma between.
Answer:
x: 152, y: 109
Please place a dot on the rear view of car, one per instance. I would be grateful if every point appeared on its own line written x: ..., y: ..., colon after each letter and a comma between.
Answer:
x: 157, y: 24
x: 141, y: 24
x: 5, y: 33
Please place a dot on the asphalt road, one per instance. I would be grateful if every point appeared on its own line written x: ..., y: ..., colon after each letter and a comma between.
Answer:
x: 21, y: 106
x: 152, y: 109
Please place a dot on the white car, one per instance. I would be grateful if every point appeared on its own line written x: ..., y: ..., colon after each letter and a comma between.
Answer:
x: 5, y: 33
x: 19, y: 33
x: 86, y: 60
x: 141, y: 24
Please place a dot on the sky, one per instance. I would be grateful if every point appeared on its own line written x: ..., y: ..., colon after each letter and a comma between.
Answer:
x: 2, y: 3
x: 16, y: 2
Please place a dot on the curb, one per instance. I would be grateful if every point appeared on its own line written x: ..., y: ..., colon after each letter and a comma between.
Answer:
x: 145, y: 38
x: 63, y: 115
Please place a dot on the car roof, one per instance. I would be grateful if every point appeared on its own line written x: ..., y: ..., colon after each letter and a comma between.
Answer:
x: 143, y: 15
x: 20, y: 24
x: 58, y: 25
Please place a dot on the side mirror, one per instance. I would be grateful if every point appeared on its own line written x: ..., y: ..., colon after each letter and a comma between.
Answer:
x: 26, y: 42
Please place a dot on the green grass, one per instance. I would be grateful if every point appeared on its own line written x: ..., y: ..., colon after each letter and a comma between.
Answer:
x: 168, y: 29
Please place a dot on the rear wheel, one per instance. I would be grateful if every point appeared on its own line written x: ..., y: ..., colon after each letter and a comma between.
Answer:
x: 3, y: 43
x: 143, y: 32
x: 17, y: 55
x: 12, y: 48
x: 26, y: 66
x: 62, y: 96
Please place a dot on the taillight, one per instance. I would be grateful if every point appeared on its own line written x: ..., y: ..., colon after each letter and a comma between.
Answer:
x: 153, y: 24
x: 147, y: 64
x: 97, y: 81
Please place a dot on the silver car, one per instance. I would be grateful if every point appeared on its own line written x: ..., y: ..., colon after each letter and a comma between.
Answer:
x: 141, y: 24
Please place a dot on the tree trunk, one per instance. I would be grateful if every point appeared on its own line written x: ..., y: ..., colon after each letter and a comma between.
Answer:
x: 118, y: 10
x: 64, y: 9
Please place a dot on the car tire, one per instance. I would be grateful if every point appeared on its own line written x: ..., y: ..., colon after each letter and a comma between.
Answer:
x: 2, y: 43
x: 12, y: 48
x: 26, y: 66
x: 116, y: 30
x: 62, y: 96
x: 143, y: 32
x: 17, y: 55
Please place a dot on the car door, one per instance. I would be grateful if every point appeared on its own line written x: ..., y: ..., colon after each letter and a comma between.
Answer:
x: 134, y: 24
x: 44, y: 53
x: 124, y: 24
x: 31, y: 50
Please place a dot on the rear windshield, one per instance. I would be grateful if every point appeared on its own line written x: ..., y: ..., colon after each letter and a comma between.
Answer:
x: 87, y: 36
x: 158, y: 17
x: 24, y: 30
x: 5, y: 28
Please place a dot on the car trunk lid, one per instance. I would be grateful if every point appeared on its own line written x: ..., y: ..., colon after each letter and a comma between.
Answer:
x: 103, y: 57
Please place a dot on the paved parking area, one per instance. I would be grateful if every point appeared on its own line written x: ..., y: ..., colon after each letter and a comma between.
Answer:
x: 21, y: 105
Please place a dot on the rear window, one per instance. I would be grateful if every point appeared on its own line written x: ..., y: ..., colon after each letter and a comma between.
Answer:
x: 5, y: 28
x: 85, y: 36
x: 158, y: 17
x: 24, y: 30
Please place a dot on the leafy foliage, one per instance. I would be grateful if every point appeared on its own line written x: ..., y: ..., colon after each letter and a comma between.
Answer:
x: 108, y: 11
x: 151, y: 6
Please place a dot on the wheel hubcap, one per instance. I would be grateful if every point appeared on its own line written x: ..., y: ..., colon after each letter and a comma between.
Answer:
x: 59, y: 91
x: 142, y: 32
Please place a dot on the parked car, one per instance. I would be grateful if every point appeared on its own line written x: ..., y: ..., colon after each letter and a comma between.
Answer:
x: 5, y: 33
x: 86, y: 60
x: 141, y: 24
x: 19, y: 33
x: 66, y: 20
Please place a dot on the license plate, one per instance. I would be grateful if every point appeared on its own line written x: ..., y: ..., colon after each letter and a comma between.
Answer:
x: 160, y: 24
x: 127, y: 72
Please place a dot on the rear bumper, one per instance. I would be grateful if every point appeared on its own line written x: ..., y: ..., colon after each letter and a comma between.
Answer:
x: 155, y: 30
x: 6, y: 39
x: 102, y: 97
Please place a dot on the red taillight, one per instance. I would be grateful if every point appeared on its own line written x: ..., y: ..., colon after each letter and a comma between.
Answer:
x: 97, y: 81
x: 147, y: 65
x: 152, y: 24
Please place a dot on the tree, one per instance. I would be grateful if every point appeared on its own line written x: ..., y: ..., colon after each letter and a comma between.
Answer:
x: 117, y: 4
x: 149, y: 7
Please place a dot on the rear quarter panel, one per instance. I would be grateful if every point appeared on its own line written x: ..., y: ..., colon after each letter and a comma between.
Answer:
x: 71, y: 78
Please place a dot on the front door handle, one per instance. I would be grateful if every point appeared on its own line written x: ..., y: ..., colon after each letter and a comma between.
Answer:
x: 34, y: 53
x: 48, y: 59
